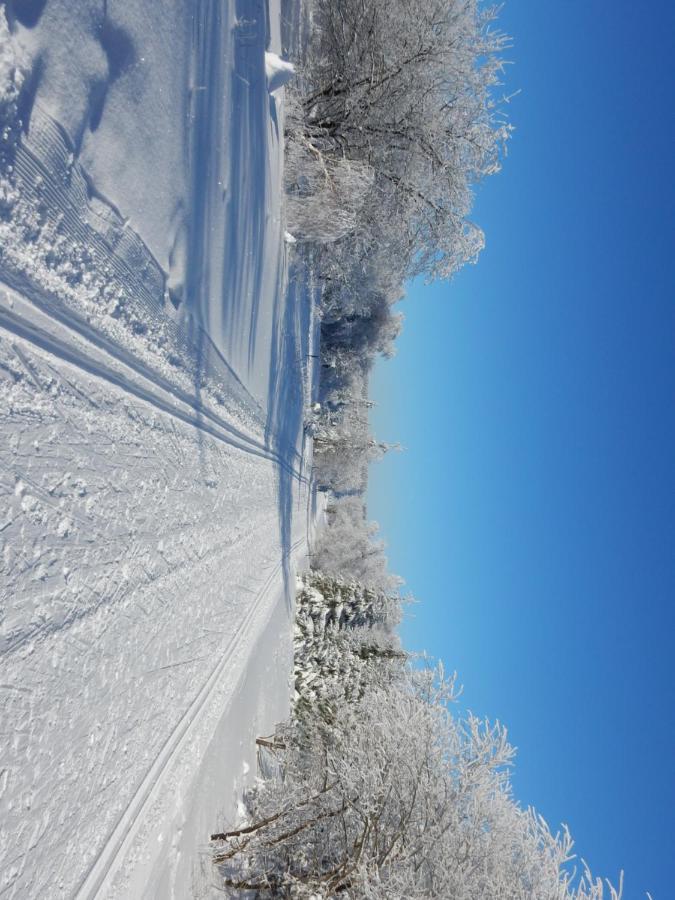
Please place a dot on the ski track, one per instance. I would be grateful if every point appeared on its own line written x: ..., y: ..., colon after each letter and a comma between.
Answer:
x: 112, y: 854
x: 79, y: 345
x: 153, y: 486
x: 125, y: 574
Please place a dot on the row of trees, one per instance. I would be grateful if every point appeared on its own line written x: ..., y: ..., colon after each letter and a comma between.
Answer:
x: 380, y: 791
x: 392, y: 123
x: 377, y: 790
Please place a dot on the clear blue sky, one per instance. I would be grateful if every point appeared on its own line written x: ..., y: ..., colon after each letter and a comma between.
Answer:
x: 533, y: 512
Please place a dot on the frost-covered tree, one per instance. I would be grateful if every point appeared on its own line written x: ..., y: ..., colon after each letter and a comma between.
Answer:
x: 403, y: 89
x: 349, y: 547
x: 344, y: 642
x: 358, y: 319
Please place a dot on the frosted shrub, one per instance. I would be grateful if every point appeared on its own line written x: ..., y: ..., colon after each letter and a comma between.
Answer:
x: 11, y: 75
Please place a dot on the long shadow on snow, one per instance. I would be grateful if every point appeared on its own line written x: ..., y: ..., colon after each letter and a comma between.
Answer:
x: 218, y: 292
x: 285, y: 402
x: 206, y: 112
x: 236, y: 319
x: 247, y: 203
x: 215, y: 297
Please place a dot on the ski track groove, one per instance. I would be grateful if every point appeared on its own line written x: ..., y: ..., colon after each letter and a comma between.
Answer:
x: 104, y: 866
x: 126, y: 564
x: 59, y: 347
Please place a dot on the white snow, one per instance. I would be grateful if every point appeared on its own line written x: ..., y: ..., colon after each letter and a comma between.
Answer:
x: 118, y: 82
x: 153, y: 483
x: 278, y: 71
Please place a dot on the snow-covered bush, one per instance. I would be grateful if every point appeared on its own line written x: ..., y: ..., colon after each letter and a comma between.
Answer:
x: 11, y: 81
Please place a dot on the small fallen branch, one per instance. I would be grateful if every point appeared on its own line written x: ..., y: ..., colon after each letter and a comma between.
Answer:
x: 272, y: 745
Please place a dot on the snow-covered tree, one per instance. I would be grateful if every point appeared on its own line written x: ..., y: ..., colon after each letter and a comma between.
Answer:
x: 344, y: 641
x: 349, y: 547
x: 403, y: 89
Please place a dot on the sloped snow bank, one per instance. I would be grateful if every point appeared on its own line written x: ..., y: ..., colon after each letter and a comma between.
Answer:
x: 278, y: 71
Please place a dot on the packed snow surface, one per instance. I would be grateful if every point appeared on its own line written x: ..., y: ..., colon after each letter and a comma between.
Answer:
x: 154, y: 489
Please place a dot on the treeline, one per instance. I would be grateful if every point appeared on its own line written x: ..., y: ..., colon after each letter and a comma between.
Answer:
x: 391, y: 124
x: 379, y: 791
x: 376, y: 789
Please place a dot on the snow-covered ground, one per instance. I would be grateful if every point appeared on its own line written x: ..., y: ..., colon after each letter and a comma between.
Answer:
x: 154, y: 492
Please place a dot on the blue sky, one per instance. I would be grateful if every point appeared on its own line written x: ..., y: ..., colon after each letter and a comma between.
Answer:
x: 533, y: 511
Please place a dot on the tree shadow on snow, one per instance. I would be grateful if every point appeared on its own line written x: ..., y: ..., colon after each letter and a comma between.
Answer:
x: 285, y: 403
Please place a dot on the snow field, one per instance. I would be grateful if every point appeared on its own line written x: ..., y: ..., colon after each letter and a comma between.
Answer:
x: 125, y: 578
x: 153, y: 495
